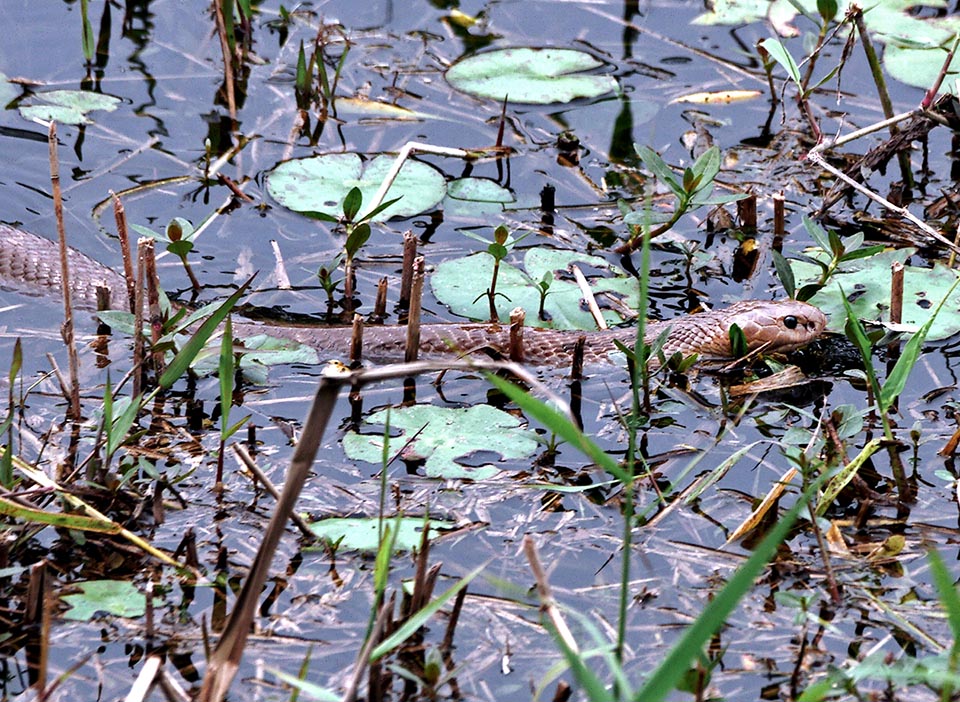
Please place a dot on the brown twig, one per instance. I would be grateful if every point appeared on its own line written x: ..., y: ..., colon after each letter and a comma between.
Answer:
x: 406, y: 271
x: 67, y: 330
x: 227, y: 58
x: 120, y: 216
x: 413, y: 321
x: 356, y: 341
x: 517, y: 317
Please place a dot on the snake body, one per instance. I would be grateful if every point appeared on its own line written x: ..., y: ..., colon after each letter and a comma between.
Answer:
x: 30, y: 264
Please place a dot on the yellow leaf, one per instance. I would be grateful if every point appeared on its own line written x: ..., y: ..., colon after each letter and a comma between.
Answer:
x: 720, y: 97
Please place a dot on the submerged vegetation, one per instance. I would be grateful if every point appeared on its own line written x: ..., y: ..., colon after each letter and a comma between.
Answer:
x: 499, y: 533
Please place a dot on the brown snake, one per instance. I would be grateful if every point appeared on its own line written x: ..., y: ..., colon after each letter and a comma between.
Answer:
x: 29, y: 263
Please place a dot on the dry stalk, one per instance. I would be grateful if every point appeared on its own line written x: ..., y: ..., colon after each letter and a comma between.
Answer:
x: 67, y: 330
x: 547, y: 603
x: 413, y: 321
x: 590, y: 299
x: 120, y: 216
x: 227, y: 59
x: 406, y: 270
x: 517, y: 317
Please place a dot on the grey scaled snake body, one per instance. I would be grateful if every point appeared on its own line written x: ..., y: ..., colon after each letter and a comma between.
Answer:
x: 30, y: 263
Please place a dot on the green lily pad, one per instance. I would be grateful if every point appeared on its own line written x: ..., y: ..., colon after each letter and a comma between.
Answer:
x: 476, y: 197
x: 119, y: 598
x: 320, y: 183
x: 361, y: 533
x: 919, y: 67
x: 68, y: 106
x: 8, y: 91
x: 534, y: 76
x: 445, y: 436
x: 866, y: 283
x: 457, y: 283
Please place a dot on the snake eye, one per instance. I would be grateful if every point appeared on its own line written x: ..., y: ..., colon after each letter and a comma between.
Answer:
x: 790, y: 322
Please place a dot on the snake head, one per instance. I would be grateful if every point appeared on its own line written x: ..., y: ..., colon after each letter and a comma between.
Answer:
x: 777, y: 326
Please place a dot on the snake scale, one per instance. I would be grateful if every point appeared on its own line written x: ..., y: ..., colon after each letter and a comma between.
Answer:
x: 30, y: 264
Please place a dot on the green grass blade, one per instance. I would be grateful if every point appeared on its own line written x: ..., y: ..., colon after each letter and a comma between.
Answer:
x: 420, y: 618
x: 560, y: 425
x: 669, y: 673
x: 178, y: 366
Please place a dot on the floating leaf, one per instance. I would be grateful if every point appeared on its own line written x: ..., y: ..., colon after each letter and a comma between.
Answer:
x: 534, y: 76
x: 445, y: 437
x: 68, y: 106
x: 920, y: 67
x: 117, y: 597
x: 866, y: 282
x: 376, y: 109
x: 8, y: 91
x: 476, y: 197
x: 362, y: 533
x: 458, y: 282
x: 320, y: 184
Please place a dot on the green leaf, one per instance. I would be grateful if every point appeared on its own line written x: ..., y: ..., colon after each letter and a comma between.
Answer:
x: 115, y: 597
x: 785, y: 274
x: 225, y: 374
x: 706, y: 169
x: 897, y: 380
x: 359, y: 236
x: 779, y: 54
x: 533, y: 76
x: 352, y: 203
x: 661, y: 171
x: 444, y: 437
x: 827, y: 10
x: 363, y: 533
x: 68, y: 106
x: 318, y: 185
x: 418, y: 619
x: 178, y: 366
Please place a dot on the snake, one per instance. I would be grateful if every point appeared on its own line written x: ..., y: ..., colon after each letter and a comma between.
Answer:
x: 30, y: 264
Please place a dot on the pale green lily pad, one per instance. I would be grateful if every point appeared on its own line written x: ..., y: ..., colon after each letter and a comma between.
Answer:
x: 888, y: 20
x: 457, y: 283
x: 866, y: 283
x: 361, y: 533
x: 68, y: 106
x: 920, y: 67
x: 8, y: 91
x: 320, y: 183
x: 478, y: 190
x: 445, y: 436
x: 532, y: 76
x: 119, y: 598
x: 476, y: 197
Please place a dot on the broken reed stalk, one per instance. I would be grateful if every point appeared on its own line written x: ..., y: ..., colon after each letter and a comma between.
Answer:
x: 576, y: 364
x: 356, y: 341
x: 413, y: 321
x: 251, y: 465
x: 380, y: 304
x: 120, y: 217
x: 66, y: 330
x: 548, y: 604
x: 406, y: 272
x: 589, y: 298
x: 280, y: 269
x: 153, y: 303
x: 139, y: 304
x: 517, y: 318
x: 747, y: 213
x: 221, y: 23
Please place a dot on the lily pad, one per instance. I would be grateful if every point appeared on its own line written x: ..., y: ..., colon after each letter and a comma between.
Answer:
x: 534, y: 76
x: 117, y: 597
x: 919, y: 67
x: 866, y: 282
x: 361, y: 533
x: 68, y: 106
x: 8, y: 91
x: 476, y: 197
x: 445, y: 436
x: 320, y: 183
x: 457, y: 283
